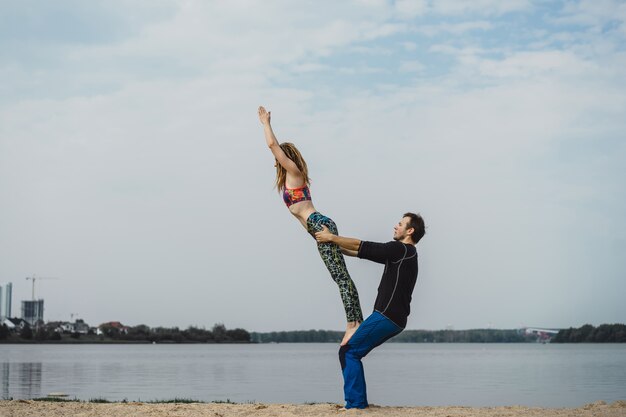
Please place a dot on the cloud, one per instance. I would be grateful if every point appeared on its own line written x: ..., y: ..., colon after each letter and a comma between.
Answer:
x: 534, y: 64
x: 309, y: 67
x: 455, y: 28
x: 409, y: 9
x: 200, y: 39
x: 480, y: 7
x: 411, y: 66
x: 409, y: 46
x: 592, y: 13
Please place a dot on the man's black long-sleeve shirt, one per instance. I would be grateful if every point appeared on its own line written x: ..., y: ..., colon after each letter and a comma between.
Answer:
x: 398, y: 280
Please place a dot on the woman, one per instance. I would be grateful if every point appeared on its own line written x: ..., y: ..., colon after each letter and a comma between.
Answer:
x: 292, y: 179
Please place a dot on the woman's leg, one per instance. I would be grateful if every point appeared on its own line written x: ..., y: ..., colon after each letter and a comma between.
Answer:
x: 336, y: 265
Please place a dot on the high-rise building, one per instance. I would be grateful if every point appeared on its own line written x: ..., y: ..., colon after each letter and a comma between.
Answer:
x: 32, y: 311
x: 5, y: 300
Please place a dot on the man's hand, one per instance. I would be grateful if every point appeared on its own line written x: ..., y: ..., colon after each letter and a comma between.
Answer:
x: 264, y: 115
x: 348, y: 245
x: 324, y: 235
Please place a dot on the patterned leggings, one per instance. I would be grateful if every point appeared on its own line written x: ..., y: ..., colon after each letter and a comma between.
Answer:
x: 336, y: 265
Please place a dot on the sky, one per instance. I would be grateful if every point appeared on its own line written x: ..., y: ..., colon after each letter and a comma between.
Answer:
x: 133, y: 167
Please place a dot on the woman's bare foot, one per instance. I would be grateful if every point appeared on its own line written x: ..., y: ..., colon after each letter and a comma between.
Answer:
x: 350, y: 330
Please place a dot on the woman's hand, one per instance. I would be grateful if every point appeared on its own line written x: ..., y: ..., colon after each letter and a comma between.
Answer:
x: 324, y: 235
x: 264, y: 115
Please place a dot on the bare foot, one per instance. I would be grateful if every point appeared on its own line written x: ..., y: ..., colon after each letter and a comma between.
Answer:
x: 350, y: 330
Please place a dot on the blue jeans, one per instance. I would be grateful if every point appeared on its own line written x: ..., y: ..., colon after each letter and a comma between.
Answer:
x: 374, y: 331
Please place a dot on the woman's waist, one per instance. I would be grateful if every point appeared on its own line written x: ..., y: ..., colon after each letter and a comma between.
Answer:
x: 302, y: 210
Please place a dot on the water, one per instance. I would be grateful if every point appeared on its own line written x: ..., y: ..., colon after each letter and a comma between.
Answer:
x: 397, y: 374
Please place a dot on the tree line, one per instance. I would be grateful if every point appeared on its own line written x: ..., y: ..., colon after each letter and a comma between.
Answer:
x: 605, y: 333
x: 218, y: 334
x: 465, y: 336
x: 407, y: 336
x: 141, y: 333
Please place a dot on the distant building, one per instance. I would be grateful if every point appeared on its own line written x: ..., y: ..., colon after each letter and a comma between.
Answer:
x: 54, y: 326
x: 32, y: 311
x: 15, y: 325
x: 5, y: 300
x: 79, y: 326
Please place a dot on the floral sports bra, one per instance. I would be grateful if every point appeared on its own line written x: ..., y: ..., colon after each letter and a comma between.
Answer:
x: 295, y: 195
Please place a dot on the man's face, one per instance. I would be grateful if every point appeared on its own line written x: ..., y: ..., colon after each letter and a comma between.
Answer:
x: 402, y: 229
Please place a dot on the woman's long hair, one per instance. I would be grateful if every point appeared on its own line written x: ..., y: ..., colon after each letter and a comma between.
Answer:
x: 294, y: 154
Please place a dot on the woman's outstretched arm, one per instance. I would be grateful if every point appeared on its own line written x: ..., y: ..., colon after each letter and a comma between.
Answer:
x: 272, y: 143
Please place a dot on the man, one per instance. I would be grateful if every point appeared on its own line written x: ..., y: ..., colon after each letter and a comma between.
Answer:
x: 392, y: 306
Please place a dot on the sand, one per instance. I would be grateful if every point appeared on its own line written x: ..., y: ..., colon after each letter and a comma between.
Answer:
x: 21, y: 408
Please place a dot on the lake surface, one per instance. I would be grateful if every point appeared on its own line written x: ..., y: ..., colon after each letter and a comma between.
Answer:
x: 397, y: 374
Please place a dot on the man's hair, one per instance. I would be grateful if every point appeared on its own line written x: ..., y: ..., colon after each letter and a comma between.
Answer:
x: 417, y: 223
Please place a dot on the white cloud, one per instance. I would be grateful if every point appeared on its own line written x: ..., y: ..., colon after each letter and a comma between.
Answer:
x: 411, y: 66
x: 593, y: 13
x: 409, y: 46
x: 535, y: 64
x: 468, y: 52
x: 409, y: 9
x: 371, y: 50
x: 455, y: 28
x: 481, y: 7
x: 309, y: 67
x: 381, y: 31
x: 376, y: 4
x: 360, y: 69
x: 192, y: 41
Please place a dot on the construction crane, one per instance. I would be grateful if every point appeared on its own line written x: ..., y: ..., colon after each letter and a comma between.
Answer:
x: 34, y: 278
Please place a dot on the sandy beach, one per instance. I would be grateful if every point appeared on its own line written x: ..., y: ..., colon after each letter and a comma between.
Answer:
x: 23, y: 408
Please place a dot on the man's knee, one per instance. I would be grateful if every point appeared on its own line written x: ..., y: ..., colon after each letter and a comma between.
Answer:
x: 342, y: 355
x: 348, y: 352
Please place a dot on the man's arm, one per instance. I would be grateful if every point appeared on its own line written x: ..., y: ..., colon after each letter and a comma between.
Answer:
x: 349, y: 246
x: 373, y: 251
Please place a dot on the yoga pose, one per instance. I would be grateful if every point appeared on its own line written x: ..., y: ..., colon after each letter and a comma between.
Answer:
x: 393, y: 303
x: 292, y: 179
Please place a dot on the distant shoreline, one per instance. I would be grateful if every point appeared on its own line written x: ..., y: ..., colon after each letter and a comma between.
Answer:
x: 116, y: 342
x: 605, y: 333
x: 167, y: 342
